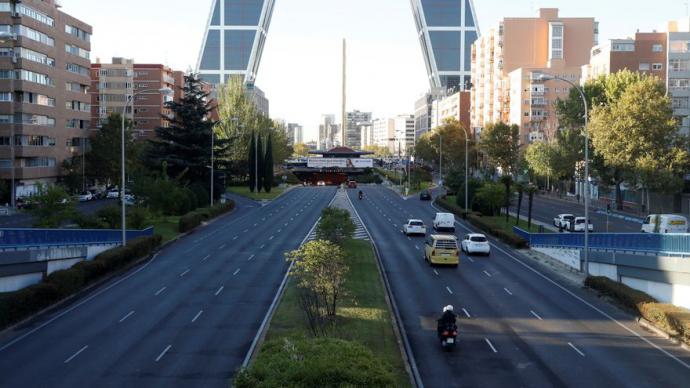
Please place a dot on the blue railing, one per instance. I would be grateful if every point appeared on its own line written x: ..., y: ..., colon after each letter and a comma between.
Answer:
x: 18, y: 238
x: 637, y: 242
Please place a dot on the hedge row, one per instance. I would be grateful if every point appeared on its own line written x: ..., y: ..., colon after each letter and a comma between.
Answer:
x: 476, y: 220
x: 194, y: 218
x: 668, y: 317
x: 18, y: 305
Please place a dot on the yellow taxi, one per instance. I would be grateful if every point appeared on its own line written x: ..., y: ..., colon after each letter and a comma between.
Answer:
x: 442, y: 249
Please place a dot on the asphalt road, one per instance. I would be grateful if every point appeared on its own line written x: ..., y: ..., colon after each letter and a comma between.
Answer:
x: 545, y: 209
x: 521, y: 326
x: 24, y: 219
x: 185, y: 319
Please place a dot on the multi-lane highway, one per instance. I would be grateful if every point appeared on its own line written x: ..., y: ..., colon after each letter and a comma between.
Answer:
x: 520, y: 325
x: 186, y: 318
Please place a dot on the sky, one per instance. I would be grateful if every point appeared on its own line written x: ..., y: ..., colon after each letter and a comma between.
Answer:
x: 301, y: 65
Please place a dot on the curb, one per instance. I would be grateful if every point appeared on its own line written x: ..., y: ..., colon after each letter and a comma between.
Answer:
x: 100, y: 282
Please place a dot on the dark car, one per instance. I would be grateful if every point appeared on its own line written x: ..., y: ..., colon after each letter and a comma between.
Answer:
x: 425, y: 195
x: 352, y: 184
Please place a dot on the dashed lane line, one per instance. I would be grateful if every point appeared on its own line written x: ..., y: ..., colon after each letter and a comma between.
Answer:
x: 160, y: 356
x: 159, y: 291
x: 576, y: 349
x: 129, y: 314
x: 536, y: 315
x: 236, y: 272
x: 493, y: 349
x: 487, y: 274
x: 184, y: 273
x: 76, y: 354
x: 449, y: 290
x: 219, y: 290
x: 467, y: 314
x: 507, y: 291
x: 197, y: 315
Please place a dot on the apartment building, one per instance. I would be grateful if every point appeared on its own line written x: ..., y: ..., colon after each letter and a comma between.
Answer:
x: 355, y: 120
x: 112, y: 84
x: 646, y: 53
x: 44, y: 100
x: 508, y: 58
x: 395, y: 133
x: 678, y: 75
x: 455, y: 106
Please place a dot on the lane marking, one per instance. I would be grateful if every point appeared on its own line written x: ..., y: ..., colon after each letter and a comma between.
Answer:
x: 508, y: 291
x: 436, y: 272
x: 536, y: 315
x: 449, y: 290
x: 220, y: 290
x: 197, y: 315
x: 270, y: 238
x: 245, y: 231
x: 184, y: 273
x: 234, y: 238
x: 255, y: 224
x: 416, y: 247
x: 491, y: 345
x: 221, y: 247
x: 470, y: 259
x: 576, y: 349
x: 286, y: 224
x: 250, y: 258
x: 163, y: 353
x: 466, y: 313
x: 236, y: 272
x: 409, y: 238
x: 75, y: 354
x: 159, y: 291
x: 129, y: 314
x: 262, y: 246
x: 206, y: 258
x: 396, y: 225
x: 487, y: 274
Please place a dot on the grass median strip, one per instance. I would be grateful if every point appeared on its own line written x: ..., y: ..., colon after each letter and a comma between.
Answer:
x: 244, y: 191
x: 362, y: 318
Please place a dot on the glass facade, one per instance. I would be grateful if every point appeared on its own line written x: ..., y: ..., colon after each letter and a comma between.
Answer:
x: 233, y: 43
x: 447, y: 30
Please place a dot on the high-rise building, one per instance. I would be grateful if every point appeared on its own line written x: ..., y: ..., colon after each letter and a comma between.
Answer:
x: 447, y: 29
x: 294, y: 133
x: 367, y: 135
x: 455, y: 106
x: 678, y: 79
x: 328, y: 132
x: 395, y: 133
x: 113, y: 83
x: 355, y: 120
x: 44, y: 100
x: 506, y: 63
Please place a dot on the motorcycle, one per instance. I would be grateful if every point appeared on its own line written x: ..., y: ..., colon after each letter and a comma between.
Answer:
x: 360, y: 195
x: 448, y: 336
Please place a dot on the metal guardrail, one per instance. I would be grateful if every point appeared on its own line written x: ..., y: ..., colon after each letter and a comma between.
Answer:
x: 26, y: 238
x: 673, y: 244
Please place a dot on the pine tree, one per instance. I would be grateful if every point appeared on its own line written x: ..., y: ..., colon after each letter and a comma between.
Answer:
x: 268, y: 165
x: 260, y: 162
x: 252, y: 163
x: 186, y: 143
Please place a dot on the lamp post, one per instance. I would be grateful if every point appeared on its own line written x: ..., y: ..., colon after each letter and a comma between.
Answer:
x: 5, y: 37
x: 213, y: 137
x: 549, y: 77
x: 467, y: 168
x: 164, y: 91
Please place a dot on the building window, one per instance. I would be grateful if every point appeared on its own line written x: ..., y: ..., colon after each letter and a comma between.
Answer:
x: 81, y: 34
x: 657, y: 66
x: 679, y: 46
x: 32, y: 13
x: 623, y: 47
x: 658, y: 48
x: 679, y: 64
x: 76, y: 69
x: 78, y: 51
x: 678, y: 84
x: 35, y: 35
x: 5, y: 96
x: 556, y: 41
x: 644, y: 66
x: 680, y: 102
x: 37, y: 57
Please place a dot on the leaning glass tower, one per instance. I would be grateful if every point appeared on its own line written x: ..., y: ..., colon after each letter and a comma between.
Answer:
x: 447, y: 29
x: 234, y: 40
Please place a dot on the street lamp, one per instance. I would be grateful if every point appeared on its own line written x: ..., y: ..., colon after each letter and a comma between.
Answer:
x: 467, y: 168
x: 165, y: 91
x: 5, y: 37
x: 549, y: 77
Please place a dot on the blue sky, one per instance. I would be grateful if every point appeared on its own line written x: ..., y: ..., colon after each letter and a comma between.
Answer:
x: 300, y: 70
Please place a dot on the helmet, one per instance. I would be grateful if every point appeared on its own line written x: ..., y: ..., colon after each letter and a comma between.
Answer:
x: 448, y: 308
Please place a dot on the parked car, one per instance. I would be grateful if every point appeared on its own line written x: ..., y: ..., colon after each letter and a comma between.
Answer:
x: 413, y: 227
x: 85, y: 196
x: 665, y: 223
x: 129, y: 199
x: 442, y: 249
x: 113, y: 194
x: 444, y: 222
x: 562, y: 221
x: 578, y: 225
x: 425, y: 195
x: 476, y: 243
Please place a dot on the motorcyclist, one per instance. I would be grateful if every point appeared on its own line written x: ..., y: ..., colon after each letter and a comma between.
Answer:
x: 361, y: 194
x: 447, y: 319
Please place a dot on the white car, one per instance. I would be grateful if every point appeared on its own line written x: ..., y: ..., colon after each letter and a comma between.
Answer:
x: 578, y: 225
x: 321, y: 183
x: 563, y: 221
x: 444, y: 222
x: 414, y: 227
x: 86, y: 197
x: 475, y: 243
x: 129, y: 199
x: 113, y: 194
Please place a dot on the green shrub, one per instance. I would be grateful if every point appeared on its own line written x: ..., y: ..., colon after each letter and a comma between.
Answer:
x: 190, y: 221
x: 67, y: 281
x: 86, y: 221
x: 506, y: 237
x: 137, y: 218
x: 111, y: 216
x: 335, y: 226
x: 323, y: 362
x: 629, y: 297
x: 15, y: 306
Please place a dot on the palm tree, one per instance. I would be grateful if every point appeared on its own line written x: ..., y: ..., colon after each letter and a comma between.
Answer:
x: 531, y: 189
x: 507, y: 180
x: 520, y: 188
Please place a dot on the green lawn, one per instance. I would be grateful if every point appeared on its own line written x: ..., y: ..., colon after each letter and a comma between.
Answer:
x: 166, y: 227
x: 363, y: 314
x: 244, y: 191
x: 500, y: 222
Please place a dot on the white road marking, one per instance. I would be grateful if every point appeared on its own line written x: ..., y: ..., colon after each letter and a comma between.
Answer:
x: 409, y: 238
x: 220, y: 290
x: 163, y: 353
x: 245, y: 231
x: 491, y: 345
x: 286, y: 224
x: 466, y: 313
x: 236, y: 272
x: 536, y: 315
x: 235, y: 238
x: 222, y: 247
x: 508, y: 291
x: 449, y: 290
x: 129, y: 314
x: 487, y: 274
x: 159, y: 291
x: 416, y: 247
x: 255, y: 224
x: 206, y: 258
x: 75, y: 354
x: 197, y: 316
x: 396, y: 225
x: 270, y: 238
x: 470, y: 259
x: 280, y: 230
x: 436, y: 272
x: 250, y: 258
x: 576, y: 349
x: 184, y: 273
x: 292, y: 219
x: 262, y: 246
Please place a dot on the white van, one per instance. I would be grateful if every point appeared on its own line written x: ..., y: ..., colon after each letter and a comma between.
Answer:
x: 444, y: 222
x: 665, y: 223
